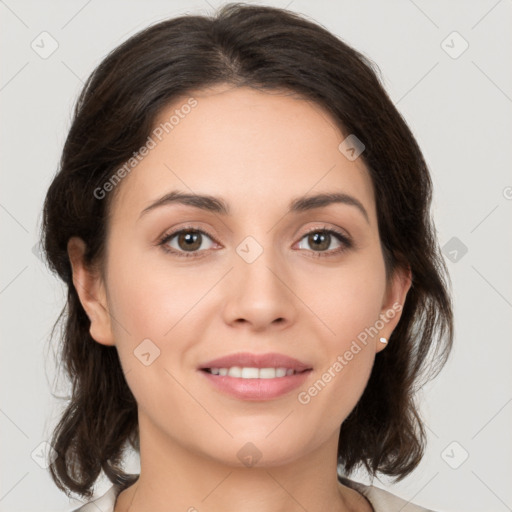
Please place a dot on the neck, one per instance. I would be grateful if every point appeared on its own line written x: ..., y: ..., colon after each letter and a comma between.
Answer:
x: 175, y: 478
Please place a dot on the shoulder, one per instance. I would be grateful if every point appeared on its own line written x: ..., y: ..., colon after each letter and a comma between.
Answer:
x: 381, y: 500
x: 104, y: 503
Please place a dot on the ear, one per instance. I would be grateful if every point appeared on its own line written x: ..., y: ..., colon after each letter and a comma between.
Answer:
x: 392, y: 304
x: 91, y: 291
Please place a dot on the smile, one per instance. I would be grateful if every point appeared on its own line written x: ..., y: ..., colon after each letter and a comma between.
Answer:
x: 252, y: 373
x: 256, y: 384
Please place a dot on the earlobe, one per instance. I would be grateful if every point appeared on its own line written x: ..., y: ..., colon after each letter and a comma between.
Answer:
x: 91, y: 292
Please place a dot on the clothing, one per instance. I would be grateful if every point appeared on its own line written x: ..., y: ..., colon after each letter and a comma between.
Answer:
x: 381, y: 500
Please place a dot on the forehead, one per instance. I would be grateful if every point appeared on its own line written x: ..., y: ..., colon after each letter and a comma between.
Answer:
x: 255, y: 148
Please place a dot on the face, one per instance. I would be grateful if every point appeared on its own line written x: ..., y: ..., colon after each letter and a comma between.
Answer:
x: 263, y: 277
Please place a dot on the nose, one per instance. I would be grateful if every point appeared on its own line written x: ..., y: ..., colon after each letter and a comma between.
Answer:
x: 260, y: 293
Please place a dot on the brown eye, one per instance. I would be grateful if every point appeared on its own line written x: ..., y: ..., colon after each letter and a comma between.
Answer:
x: 189, y: 240
x: 185, y: 242
x: 321, y: 239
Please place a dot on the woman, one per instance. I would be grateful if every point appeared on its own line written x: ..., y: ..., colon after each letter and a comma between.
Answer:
x: 255, y: 290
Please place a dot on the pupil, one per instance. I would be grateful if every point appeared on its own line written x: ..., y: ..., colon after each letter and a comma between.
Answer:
x: 190, y: 238
x: 319, y: 237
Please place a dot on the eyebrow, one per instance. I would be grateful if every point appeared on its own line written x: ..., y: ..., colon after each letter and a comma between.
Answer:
x: 220, y: 206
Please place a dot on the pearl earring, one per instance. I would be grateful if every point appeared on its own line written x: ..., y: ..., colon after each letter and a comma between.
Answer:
x: 383, y: 340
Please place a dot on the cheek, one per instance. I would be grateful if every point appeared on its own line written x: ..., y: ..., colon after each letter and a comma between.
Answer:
x: 340, y: 380
x: 349, y: 299
x: 348, y: 331
x: 151, y: 308
x: 335, y: 391
x: 148, y: 299
x: 153, y: 313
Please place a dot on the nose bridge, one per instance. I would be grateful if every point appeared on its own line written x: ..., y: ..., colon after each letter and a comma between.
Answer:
x: 257, y: 291
x: 258, y: 263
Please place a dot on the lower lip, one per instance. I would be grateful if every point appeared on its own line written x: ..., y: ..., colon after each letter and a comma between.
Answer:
x: 256, y: 389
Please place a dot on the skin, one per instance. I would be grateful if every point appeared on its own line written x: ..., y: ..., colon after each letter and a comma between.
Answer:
x: 258, y: 151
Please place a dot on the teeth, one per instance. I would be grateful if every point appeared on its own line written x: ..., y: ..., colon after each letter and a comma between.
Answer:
x: 250, y: 373
x: 253, y: 373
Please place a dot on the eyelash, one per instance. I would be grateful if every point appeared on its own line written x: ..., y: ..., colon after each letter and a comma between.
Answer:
x: 322, y: 254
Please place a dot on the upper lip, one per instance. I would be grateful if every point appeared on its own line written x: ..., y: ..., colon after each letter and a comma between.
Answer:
x: 247, y: 360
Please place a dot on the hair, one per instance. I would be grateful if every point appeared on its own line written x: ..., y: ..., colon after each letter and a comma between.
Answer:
x: 267, y: 49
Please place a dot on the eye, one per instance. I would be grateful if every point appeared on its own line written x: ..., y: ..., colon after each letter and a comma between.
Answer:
x: 188, y: 241
x: 321, y: 238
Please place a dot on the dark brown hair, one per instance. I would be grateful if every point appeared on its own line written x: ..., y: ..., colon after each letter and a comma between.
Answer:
x: 270, y: 49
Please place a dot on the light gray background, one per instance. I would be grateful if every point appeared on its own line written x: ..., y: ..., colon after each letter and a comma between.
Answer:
x: 458, y: 108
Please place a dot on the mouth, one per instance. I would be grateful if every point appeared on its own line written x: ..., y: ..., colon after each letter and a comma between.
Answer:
x: 251, y: 366
x: 253, y: 372
x: 252, y: 388
x: 256, y: 377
